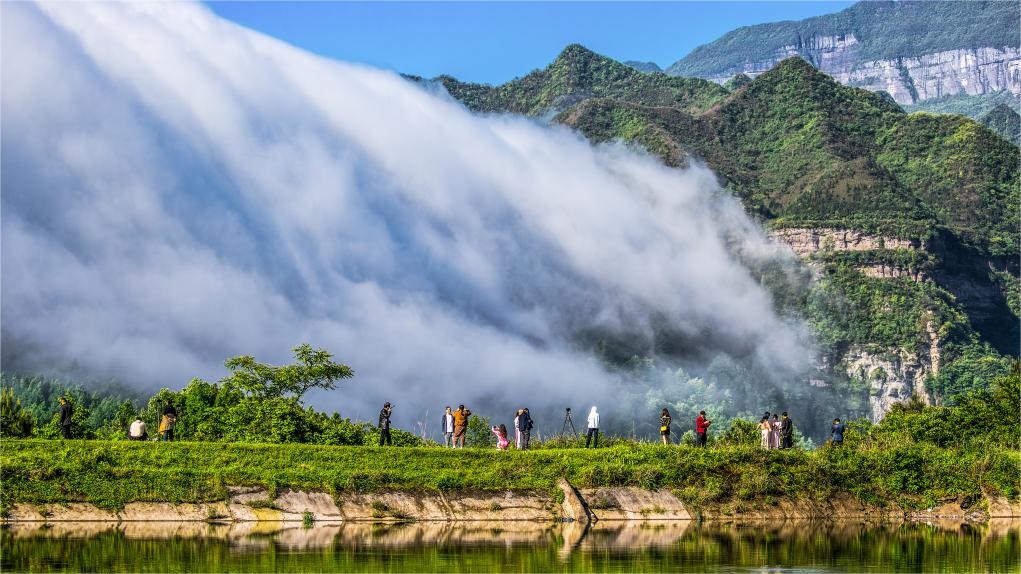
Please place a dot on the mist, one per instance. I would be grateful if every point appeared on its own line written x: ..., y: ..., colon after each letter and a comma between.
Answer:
x: 177, y: 190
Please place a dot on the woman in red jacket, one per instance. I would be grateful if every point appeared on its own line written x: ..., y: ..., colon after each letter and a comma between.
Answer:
x: 701, y: 428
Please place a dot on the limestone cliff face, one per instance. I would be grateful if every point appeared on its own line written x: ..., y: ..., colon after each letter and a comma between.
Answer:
x: 891, y: 375
x: 894, y: 375
x: 805, y: 241
x: 976, y: 71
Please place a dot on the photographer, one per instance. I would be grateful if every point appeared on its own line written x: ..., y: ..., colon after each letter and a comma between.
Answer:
x: 461, y: 416
x: 525, y: 426
x: 384, y: 425
x: 701, y: 428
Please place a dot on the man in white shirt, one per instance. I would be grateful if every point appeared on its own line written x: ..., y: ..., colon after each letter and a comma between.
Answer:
x: 137, y: 430
x: 593, y: 428
x: 448, y: 428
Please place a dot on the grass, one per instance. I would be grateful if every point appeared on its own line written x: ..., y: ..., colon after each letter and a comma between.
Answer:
x: 113, y: 473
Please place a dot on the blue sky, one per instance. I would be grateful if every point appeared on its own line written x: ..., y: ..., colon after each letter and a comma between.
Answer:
x: 497, y: 41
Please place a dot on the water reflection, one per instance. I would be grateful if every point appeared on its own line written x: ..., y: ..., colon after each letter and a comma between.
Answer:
x: 675, y: 546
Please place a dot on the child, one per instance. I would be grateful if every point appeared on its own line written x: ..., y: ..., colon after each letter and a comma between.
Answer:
x: 501, y: 437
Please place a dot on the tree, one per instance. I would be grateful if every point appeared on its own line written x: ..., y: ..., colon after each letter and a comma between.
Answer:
x: 14, y: 420
x: 313, y: 369
x: 480, y: 434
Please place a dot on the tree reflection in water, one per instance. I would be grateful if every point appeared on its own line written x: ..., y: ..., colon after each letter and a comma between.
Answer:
x: 675, y: 546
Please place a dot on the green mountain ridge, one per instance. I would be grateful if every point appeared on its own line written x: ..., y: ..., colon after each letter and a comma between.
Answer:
x: 647, y: 67
x: 803, y: 151
x: 578, y: 74
x: 1005, y: 121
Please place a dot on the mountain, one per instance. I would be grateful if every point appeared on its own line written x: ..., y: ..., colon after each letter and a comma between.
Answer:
x: 1005, y: 121
x: 915, y: 51
x: 577, y: 75
x: 647, y: 67
x: 909, y: 221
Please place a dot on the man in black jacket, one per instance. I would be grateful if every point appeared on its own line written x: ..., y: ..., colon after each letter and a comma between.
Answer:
x: 384, y: 425
x: 66, y: 412
x: 525, y: 426
x: 786, y: 432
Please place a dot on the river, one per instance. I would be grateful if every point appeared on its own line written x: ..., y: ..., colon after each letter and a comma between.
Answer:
x: 677, y: 546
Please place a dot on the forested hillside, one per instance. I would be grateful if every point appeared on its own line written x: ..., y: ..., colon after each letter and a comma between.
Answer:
x: 909, y: 220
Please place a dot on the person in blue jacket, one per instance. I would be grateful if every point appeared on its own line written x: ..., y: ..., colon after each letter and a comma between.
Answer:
x: 837, y: 432
x: 525, y: 426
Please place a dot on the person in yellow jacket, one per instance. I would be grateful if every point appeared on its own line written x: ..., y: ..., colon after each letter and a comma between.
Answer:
x: 460, y: 425
x: 168, y: 421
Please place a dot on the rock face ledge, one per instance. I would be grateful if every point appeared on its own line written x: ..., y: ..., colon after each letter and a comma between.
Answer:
x: 806, y: 241
x: 579, y: 506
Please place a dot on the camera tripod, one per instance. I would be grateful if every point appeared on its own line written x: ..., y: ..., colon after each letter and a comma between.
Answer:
x: 568, y: 421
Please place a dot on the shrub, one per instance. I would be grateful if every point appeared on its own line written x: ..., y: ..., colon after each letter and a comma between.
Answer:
x: 741, y: 432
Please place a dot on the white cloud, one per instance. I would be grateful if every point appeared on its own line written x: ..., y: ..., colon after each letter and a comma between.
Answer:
x: 177, y: 190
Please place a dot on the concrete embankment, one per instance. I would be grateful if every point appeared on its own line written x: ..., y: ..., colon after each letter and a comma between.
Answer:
x: 254, y: 504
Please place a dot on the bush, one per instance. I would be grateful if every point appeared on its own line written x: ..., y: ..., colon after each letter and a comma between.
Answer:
x: 741, y: 433
x: 370, y: 436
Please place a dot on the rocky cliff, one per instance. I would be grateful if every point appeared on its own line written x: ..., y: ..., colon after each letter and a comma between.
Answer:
x: 915, y: 51
x: 890, y: 374
x: 974, y: 71
x: 805, y: 241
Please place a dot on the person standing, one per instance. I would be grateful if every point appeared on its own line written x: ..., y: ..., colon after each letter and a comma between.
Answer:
x: 765, y: 429
x: 837, y: 432
x: 517, y: 431
x: 447, y: 426
x: 525, y: 426
x: 66, y: 413
x: 701, y: 428
x: 461, y: 416
x: 168, y: 421
x: 137, y: 430
x: 593, y: 427
x: 774, y: 433
x: 786, y: 432
x: 384, y: 425
x: 664, y: 426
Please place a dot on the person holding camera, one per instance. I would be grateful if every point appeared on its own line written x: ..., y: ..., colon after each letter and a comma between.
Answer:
x: 461, y: 416
x: 384, y: 425
x: 525, y: 426
x: 66, y: 414
x: 701, y: 429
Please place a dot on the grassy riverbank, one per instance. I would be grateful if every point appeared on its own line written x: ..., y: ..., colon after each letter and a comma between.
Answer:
x: 112, y: 473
